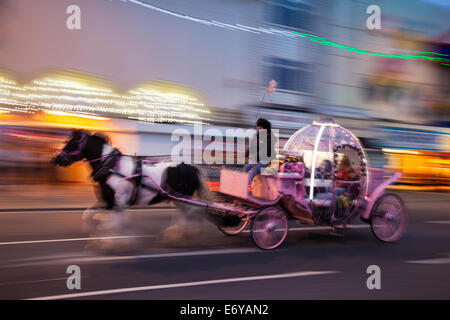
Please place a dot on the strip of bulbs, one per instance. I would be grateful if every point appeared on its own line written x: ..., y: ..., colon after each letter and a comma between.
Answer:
x: 144, y: 104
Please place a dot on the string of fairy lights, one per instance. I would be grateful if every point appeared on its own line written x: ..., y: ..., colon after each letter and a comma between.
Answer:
x: 55, y: 96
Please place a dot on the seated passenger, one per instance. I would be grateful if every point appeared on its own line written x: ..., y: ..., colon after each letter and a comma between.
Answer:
x: 325, y: 170
x: 345, y: 171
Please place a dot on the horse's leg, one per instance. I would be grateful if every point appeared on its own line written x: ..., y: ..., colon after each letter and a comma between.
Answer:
x: 105, y: 200
x: 175, y: 233
x: 122, y: 192
x: 188, y: 226
x: 119, y: 216
x: 88, y: 222
x: 116, y: 219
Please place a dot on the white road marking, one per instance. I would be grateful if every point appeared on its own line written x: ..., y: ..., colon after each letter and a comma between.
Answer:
x: 36, y: 281
x: 431, y: 261
x: 82, y: 210
x: 40, y: 212
x: 184, y: 284
x: 73, y: 239
x: 168, y: 255
x: 171, y: 254
x: 439, y: 222
x: 87, y: 259
x: 152, y: 236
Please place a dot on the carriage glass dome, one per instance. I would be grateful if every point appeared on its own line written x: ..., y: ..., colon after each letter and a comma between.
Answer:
x: 333, y: 157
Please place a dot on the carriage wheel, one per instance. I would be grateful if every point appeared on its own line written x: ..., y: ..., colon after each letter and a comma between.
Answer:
x: 270, y: 227
x: 388, y: 218
x: 234, y: 230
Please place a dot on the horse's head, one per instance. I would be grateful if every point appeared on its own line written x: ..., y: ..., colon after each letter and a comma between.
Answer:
x: 74, y: 150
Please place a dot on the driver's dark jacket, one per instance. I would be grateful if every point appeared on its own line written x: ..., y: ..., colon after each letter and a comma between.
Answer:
x: 263, y: 146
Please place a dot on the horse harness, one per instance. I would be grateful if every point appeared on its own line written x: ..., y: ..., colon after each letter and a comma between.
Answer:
x: 107, y: 163
x: 137, y: 181
x: 107, y: 168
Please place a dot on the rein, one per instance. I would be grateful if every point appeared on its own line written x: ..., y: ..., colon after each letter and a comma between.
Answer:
x: 99, y: 159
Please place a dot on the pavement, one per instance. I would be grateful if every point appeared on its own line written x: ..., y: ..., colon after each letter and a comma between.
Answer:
x: 39, y: 197
x: 37, y: 245
x: 42, y: 196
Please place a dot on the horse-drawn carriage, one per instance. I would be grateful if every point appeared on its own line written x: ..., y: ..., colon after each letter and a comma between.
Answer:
x: 322, y: 179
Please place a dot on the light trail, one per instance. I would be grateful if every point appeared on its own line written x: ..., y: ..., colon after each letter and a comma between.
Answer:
x: 314, y: 38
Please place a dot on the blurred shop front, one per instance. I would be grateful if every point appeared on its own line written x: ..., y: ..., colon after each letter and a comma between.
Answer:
x: 29, y: 141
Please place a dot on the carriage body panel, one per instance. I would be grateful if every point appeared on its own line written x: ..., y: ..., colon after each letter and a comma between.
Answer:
x: 234, y: 183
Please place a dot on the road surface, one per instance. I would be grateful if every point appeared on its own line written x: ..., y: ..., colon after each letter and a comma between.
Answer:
x: 37, y: 246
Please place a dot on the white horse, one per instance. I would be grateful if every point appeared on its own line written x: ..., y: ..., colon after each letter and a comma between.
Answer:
x: 124, y: 180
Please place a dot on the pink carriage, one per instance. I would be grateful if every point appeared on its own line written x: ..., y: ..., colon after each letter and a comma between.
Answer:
x: 325, y: 180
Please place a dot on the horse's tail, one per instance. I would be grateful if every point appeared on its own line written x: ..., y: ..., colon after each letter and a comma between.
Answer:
x: 203, y: 191
x: 187, y: 180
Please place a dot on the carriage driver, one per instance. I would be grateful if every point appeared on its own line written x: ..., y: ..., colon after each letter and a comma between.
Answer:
x: 261, y: 149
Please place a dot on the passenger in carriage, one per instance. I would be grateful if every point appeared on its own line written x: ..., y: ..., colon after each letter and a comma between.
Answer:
x: 325, y: 170
x: 345, y: 170
x: 344, y: 191
x: 265, y: 150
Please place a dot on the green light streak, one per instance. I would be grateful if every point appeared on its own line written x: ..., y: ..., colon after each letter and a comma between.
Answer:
x: 325, y: 42
x: 440, y: 54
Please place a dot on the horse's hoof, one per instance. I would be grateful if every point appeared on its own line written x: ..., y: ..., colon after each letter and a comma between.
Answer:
x: 89, y: 227
x: 117, y: 245
x: 91, y: 245
x: 172, y: 236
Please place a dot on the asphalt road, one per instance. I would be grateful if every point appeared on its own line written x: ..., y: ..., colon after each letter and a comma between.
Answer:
x: 36, y: 247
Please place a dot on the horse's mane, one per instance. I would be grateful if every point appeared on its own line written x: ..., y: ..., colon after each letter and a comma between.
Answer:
x: 101, y: 137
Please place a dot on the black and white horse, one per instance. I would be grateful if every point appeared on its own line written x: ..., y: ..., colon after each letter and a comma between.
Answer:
x: 124, y: 180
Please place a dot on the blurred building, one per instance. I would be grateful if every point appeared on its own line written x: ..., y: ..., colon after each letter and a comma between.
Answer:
x: 129, y: 44
x: 220, y: 56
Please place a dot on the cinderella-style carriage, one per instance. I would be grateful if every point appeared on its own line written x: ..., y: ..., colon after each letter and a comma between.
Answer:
x: 322, y: 177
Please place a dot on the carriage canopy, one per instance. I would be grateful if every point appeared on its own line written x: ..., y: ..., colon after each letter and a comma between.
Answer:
x: 323, y: 146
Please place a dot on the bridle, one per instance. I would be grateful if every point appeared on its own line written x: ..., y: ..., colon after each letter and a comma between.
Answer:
x: 75, y: 155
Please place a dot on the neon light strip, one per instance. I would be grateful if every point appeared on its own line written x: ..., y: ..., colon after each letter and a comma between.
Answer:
x: 440, y: 54
x: 70, y: 114
x: 399, y: 151
x: 325, y: 42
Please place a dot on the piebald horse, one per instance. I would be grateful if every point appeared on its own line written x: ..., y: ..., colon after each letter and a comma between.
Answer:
x: 124, y: 180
